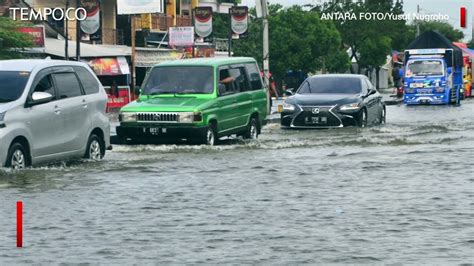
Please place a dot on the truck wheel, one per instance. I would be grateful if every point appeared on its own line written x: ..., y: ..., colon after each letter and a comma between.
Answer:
x: 17, y: 157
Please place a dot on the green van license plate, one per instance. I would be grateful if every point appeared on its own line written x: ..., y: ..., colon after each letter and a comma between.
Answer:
x: 154, y: 130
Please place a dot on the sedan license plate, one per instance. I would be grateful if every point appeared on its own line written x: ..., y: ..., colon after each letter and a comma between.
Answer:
x: 316, y: 120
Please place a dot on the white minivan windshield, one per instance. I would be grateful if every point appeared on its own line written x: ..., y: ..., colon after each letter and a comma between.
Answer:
x: 12, y: 85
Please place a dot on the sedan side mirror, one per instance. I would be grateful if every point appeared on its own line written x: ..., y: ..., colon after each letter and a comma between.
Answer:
x: 40, y: 97
x: 371, y: 92
x: 289, y: 92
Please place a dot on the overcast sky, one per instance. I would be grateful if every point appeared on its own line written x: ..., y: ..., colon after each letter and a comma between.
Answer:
x: 445, y: 7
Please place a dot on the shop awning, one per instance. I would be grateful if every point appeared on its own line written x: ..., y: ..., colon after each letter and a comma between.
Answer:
x: 148, y: 57
x: 56, y: 47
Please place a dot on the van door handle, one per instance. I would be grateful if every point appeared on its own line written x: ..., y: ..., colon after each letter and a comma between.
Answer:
x: 84, y: 104
x: 57, y: 110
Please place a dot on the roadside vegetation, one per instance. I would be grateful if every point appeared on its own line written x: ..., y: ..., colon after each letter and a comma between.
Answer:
x: 11, y: 40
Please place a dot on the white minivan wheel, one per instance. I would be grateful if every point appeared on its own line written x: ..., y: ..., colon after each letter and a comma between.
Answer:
x: 94, y: 149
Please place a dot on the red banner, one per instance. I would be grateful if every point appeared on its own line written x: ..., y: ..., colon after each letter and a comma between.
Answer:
x: 37, y: 33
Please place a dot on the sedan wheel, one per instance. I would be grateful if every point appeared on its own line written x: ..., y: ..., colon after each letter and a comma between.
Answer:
x: 363, y: 118
x: 383, y: 116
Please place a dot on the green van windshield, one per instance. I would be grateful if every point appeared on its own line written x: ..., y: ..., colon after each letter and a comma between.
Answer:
x: 179, y: 80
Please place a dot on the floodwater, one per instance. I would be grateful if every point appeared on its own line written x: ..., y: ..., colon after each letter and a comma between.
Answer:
x: 398, y: 193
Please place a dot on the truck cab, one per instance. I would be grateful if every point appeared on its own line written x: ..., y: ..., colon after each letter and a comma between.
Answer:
x: 429, y: 77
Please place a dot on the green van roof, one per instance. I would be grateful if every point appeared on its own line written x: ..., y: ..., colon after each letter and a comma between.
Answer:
x: 207, y: 61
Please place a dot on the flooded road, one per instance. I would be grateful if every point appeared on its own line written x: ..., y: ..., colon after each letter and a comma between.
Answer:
x: 402, y: 192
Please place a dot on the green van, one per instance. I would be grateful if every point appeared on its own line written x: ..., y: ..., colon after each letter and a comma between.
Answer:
x: 198, y: 100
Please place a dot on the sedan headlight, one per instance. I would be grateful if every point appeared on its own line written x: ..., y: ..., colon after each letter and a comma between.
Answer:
x: 288, y: 107
x: 351, y: 106
x: 128, y: 117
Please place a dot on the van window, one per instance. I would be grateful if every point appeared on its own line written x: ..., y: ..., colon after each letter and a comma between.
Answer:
x: 255, y: 78
x: 46, y: 85
x: 89, y: 83
x: 68, y: 85
x: 234, y: 80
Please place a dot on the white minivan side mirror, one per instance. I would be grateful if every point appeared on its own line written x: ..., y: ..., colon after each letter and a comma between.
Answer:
x: 41, y: 97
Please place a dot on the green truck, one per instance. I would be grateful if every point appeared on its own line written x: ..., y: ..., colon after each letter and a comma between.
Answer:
x: 197, y: 100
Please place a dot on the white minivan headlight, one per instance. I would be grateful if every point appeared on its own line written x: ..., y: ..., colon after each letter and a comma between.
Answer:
x: 128, y: 117
x: 2, y: 119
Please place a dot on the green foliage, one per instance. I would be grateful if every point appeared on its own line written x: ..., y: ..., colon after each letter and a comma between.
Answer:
x: 13, y: 40
x: 299, y: 40
x: 470, y: 44
x: 444, y: 28
x: 370, y: 40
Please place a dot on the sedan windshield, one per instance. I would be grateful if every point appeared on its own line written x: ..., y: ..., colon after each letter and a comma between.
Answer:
x: 12, y: 85
x: 179, y: 80
x: 425, y: 68
x: 334, y: 85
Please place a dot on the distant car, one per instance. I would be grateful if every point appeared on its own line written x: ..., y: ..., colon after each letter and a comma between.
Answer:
x: 50, y: 110
x: 197, y: 100
x: 333, y: 100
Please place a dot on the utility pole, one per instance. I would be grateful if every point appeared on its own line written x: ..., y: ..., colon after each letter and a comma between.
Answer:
x: 78, y: 34
x: 132, y: 72
x: 266, y: 53
x: 417, y: 21
x: 66, y: 42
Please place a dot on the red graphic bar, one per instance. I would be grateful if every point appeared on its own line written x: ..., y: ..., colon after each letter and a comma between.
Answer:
x: 463, y: 17
x: 19, y: 224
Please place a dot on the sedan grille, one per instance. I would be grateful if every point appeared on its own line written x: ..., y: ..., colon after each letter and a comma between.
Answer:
x: 314, y: 116
x: 158, y: 117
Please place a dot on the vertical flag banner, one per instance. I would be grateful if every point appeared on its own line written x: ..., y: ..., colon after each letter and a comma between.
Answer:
x: 463, y: 17
x: 239, y: 20
x: 91, y: 26
x: 203, y: 22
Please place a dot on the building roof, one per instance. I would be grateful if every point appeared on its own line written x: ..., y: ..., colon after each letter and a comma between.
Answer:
x: 56, y: 47
x: 29, y: 65
x: 208, y: 61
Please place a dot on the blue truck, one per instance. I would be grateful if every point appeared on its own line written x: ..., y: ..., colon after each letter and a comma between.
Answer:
x: 432, y: 75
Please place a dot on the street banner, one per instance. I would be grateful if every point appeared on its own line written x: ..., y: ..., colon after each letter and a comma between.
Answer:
x: 203, y: 22
x: 112, y: 66
x: 181, y: 36
x: 127, y: 7
x: 37, y: 33
x: 91, y: 26
x: 239, y: 20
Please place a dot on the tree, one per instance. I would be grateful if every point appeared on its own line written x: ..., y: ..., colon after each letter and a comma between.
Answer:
x: 12, y: 39
x: 299, y: 41
x: 444, y: 28
x: 369, y: 39
x: 470, y: 44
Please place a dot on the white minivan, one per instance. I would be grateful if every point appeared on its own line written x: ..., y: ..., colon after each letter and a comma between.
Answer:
x: 50, y: 110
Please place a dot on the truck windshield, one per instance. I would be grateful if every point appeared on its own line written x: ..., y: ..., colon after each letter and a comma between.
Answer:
x: 179, y: 80
x: 425, y: 68
x: 12, y: 85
